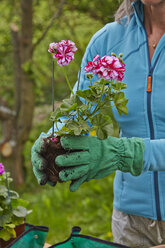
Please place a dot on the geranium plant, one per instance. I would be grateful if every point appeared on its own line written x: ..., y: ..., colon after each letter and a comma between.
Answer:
x: 13, y: 209
x: 86, y: 110
x: 90, y: 109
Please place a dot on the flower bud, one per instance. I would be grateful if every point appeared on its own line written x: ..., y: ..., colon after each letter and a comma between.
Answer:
x: 89, y: 75
x: 113, y: 54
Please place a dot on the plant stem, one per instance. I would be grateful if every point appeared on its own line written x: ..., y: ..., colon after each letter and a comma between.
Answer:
x: 91, y: 81
x: 53, y: 95
x: 102, y: 91
x: 97, y: 108
x: 57, y: 126
x: 98, y: 104
x: 8, y: 190
x: 67, y: 80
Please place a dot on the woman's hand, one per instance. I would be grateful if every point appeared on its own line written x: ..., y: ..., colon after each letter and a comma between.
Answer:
x: 92, y: 158
x: 38, y: 161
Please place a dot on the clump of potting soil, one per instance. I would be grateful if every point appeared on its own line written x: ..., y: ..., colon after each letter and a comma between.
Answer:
x: 51, y: 149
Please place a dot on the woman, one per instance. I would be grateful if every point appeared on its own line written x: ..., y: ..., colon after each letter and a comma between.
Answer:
x: 139, y: 230
x: 138, y: 156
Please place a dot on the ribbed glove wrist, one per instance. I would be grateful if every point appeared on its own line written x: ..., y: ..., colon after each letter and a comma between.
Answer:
x: 131, y: 152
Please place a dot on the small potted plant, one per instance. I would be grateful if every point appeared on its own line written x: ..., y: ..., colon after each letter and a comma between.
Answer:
x: 13, y: 210
x: 88, y: 110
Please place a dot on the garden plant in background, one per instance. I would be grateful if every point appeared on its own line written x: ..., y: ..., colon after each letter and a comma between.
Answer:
x: 88, y: 110
x: 13, y: 210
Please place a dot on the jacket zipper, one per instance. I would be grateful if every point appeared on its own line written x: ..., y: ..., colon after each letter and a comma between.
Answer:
x: 156, y: 185
x: 152, y: 135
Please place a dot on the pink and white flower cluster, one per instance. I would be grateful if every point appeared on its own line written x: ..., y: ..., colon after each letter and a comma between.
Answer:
x: 63, y: 51
x: 108, y: 67
x: 2, y: 170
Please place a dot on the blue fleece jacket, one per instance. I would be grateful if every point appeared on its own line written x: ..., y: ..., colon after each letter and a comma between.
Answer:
x: 143, y: 195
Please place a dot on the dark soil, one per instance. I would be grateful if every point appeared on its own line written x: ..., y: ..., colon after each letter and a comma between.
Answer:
x: 50, y: 151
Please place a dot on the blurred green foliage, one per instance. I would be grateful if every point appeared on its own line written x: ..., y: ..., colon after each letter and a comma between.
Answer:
x: 91, y: 206
x: 78, y: 22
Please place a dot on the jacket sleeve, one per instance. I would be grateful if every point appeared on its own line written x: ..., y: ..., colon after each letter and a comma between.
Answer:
x: 154, y: 155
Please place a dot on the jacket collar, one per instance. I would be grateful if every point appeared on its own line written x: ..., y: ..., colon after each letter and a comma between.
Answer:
x: 138, y: 11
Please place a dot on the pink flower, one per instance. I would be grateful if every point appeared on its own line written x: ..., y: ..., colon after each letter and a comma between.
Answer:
x: 92, y: 64
x: 64, y: 52
x: 54, y: 139
x: 111, y: 68
x: 2, y: 170
x: 52, y: 47
x: 108, y: 67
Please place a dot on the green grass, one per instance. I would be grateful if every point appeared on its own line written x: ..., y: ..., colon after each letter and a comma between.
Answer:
x: 90, y: 207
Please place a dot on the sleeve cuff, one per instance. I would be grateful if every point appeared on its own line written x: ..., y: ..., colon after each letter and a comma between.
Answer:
x: 147, y: 154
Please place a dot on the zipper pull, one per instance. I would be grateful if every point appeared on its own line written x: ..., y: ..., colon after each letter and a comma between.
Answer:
x: 149, y: 83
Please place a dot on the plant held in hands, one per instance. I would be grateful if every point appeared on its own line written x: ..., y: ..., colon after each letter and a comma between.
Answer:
x: 13, y: 209
x: 86, y: 110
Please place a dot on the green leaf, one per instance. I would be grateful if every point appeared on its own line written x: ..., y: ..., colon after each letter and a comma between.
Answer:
x: 63, y: 131
x: 8, y: 232
x: 119, y: 86
x: 84, y: 107
x: 5, y: 235
x: 13, y: 194
x: 19, y: 202
x: 73, y: 126
x: 100, y: 133
x: 10, y: 225
x: 20, y: 211
x: 103, y: 126
x: 120, y: 103
x: 122, y: 108
x: 17, y: 220
x: 107, y: 110
x: 84, y: 93
x: 7, y: 201
x: 70, y: 104
x: 84, y: 125
x: 119, y: 98
x: 67, y: 107
x: 78, y: 127
x: 3, y: 191
x: 5, y: 218
x: 89, y: 95
x: 56, y: 114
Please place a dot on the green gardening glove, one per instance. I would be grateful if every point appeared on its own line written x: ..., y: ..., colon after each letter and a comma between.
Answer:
x: 97, y: 158
x: 38, y: 162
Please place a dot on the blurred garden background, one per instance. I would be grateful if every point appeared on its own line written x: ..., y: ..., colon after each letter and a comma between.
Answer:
x: 26, y: 29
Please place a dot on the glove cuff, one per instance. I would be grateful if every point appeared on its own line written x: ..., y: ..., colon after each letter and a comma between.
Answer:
x: 131, y: 155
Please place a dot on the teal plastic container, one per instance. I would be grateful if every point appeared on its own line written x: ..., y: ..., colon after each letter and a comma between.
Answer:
x: 33, y: 237
x: 77, y: 240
